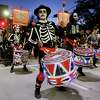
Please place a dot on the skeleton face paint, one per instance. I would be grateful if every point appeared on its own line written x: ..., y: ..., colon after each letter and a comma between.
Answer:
x: 75, y: 16
x: 42, y: 14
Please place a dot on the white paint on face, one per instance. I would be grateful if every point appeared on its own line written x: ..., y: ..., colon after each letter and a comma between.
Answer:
x: 42, y: 14
x: 75, y: 16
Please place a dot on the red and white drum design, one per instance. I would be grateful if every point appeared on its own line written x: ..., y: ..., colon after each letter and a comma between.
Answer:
x: 59, y: 67
x: 98, y: 53
x: 83, y: 56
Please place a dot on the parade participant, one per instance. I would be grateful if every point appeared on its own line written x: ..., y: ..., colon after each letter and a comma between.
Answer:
x: 92, y: 39
x: 43, y: 35
x: 73, y: 28
x: 15, y: 40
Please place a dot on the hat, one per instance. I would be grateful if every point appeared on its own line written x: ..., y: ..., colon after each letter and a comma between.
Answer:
x: 42, y: 7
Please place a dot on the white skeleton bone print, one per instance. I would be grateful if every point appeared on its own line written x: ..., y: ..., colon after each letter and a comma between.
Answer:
x: 47, y: 33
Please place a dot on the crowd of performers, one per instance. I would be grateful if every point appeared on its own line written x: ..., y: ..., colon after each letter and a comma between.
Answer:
x: 12, y: 39
x: 46, y: 34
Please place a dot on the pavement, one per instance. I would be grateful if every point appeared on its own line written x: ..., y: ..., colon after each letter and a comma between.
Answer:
x: 20, y: 85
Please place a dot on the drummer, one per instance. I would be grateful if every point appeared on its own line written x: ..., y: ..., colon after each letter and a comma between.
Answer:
x: 44, y: 34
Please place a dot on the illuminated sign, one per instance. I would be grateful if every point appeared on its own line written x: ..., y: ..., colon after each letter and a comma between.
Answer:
x: 20, y: 17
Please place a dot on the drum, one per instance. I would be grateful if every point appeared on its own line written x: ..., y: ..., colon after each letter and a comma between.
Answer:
x: 20, y: 56
x: 83, y: 56
x: 59, y: 67
x: 98, y: 53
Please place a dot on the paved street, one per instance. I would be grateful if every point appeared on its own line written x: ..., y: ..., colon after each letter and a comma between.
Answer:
x: 20, y: 85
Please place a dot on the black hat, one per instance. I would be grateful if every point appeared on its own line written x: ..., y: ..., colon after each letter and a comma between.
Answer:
x: 42, y: 7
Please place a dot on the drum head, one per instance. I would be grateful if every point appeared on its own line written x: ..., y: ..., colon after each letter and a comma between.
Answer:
x: 57, y: 56
x: 83, y: 51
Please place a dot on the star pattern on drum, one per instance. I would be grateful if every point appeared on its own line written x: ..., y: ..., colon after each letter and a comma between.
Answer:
x: 60, y: 73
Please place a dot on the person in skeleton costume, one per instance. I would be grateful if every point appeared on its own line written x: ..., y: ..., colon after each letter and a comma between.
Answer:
x: 15, y: 40
x: 43, y: 35
x: 73, y: 28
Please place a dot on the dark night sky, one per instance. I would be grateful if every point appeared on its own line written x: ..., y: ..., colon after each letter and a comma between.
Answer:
x: 55, y: 5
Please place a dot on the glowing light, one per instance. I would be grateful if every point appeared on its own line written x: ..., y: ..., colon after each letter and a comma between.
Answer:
x: 6, y: 13
x: 2, y: 24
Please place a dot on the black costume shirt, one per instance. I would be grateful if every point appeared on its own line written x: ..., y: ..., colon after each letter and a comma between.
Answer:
x: 46, y: 33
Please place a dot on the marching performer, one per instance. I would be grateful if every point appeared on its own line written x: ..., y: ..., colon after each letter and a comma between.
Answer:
x: 15, y: 40
x: 44, y: 34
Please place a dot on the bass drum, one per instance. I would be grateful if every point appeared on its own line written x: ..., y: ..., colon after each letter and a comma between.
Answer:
x: 59, y: 67
x: 83, y: 56
x: 98, y: 54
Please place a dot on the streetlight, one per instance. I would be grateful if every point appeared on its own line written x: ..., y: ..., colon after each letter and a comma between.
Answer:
x: 6, y: 13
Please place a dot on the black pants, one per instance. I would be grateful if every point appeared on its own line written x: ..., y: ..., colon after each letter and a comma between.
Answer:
x: 94, y: 60
x: 40, y: 76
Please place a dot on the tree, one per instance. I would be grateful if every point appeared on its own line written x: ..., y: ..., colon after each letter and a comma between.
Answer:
x: 90, y: 10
